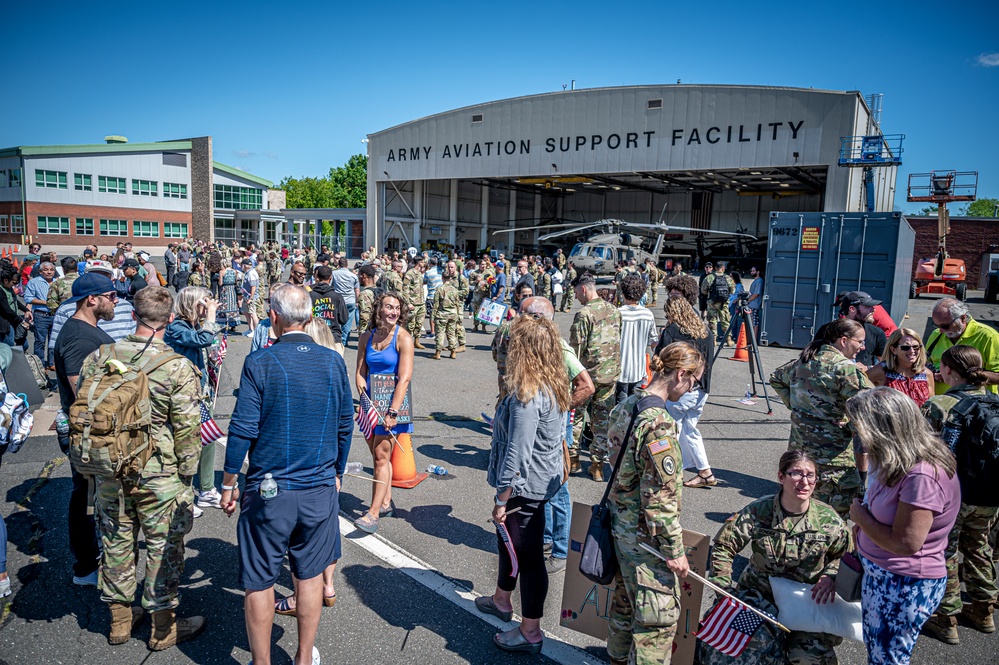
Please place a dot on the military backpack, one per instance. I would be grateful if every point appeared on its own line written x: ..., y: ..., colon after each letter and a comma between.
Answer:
x: 110, y: 421
x: 972, y: 434
x: 719, y: 289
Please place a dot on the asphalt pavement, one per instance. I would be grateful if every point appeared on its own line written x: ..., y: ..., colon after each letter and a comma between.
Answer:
x: 404, y: 595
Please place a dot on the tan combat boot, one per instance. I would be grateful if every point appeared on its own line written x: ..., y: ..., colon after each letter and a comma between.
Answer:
x: 454, y: 353
x: 574, y: 465
x: 597, y: 471
x: 168, y: 630
x: 461, y: 349
x: 124, y: 619
x: 979, y: 616
x: 943, y: 628
x: 418, y: 345
x: 437, y: 355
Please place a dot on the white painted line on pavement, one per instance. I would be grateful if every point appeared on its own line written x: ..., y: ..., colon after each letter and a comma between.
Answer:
x: 403, y: 561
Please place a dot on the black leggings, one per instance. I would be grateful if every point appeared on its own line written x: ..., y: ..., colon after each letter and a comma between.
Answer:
x: 527, y: 532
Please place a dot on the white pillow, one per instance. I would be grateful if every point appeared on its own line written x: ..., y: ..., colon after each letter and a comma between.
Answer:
x: 798, y: 611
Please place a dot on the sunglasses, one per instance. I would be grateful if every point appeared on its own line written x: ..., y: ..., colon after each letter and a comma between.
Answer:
x: 299, y: 274
x: 110, y: 296
x: 908, y: 347
x: 697, y: 385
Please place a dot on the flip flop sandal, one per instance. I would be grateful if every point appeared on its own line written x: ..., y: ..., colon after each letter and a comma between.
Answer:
x: 702, y: 481
x: 329, y: 601
x: 367, y: 523
x: 486, y: 605
x: 284, y: 608
x: 514, y: 640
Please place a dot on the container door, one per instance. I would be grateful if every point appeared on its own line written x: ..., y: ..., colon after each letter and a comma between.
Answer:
x: 794, y: 260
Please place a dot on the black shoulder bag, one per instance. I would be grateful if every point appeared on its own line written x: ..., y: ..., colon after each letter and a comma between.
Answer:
x: 598, y: 562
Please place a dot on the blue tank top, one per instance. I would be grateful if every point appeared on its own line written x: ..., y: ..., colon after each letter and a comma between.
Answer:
x: 385, y: 361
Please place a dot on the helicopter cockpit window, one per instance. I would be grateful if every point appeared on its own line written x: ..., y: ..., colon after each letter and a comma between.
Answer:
x: 578, y: 250
x: 602, y: 252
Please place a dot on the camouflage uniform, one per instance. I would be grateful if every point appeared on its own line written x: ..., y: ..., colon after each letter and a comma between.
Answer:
x: 463, y: 288
x: 816, y: 393
x: 392, y: 281
x: 365, y: 307
x: 263, y: 288
x: 447, y: 313
x: 159, y: 501
x: 970, y: 534
x: 718, y: 311
x: 645, y: 508
x: 595, y: 336
x: 799, y: 548
x: 653, y: 274
x: 412, y: 293
x: 560, y: 261
x: 60, y: 290
x: 197, y: 279
x: 544, y: 282
x: 568, y: 294
x: 482, y: 289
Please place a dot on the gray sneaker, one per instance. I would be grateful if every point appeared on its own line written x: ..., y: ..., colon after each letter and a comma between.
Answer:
x: 554, y: 565
x: 209, y: 499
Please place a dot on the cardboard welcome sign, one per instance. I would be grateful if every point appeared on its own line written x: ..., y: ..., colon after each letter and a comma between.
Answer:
x: 381, y: 387
x: 586, y: 605
x: 491, y: 312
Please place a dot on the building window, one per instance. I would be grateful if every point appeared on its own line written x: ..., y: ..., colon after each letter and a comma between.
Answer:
x: 225, y: 229
x: 174, y: 230
x: 145, y: 229
x: 17, y: 223
x: 83, y: 182
x: 144, y: 187
x: 52, y: 179
x: 111, y: 185
x: 4, y: 224
x: 3, y: 178
x: 84, y: 226
x: 114, y: 227
x: 15, y: 178
x: 173, y: 190
x: 53, y: 225
x: 238, y: 198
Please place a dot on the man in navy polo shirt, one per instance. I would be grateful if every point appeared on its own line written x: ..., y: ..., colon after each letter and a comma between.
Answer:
x: 305, y: 456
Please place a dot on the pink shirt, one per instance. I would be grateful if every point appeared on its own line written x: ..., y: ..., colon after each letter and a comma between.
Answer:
x: 923, y: 487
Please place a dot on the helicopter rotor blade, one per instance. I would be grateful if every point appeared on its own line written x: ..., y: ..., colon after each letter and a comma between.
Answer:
x: 558, y: 234
x: 532, y: 228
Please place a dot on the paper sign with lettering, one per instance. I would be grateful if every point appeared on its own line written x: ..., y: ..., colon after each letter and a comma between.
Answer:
x: 491, y: 312
x: 382, y: 388
x: 586, y: 605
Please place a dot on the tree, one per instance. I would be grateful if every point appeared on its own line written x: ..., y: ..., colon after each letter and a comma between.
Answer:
x: 981, y: 208
x: 344, y: 187
x: 927, y: 211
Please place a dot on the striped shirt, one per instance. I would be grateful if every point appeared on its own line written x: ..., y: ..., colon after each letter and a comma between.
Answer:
x: 118, y: 328
x: 638, y: 332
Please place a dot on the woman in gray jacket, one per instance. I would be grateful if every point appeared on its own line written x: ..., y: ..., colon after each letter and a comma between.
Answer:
x: 526, y: 466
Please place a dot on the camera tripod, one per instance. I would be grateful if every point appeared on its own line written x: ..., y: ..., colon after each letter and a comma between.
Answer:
x: 755, y: 366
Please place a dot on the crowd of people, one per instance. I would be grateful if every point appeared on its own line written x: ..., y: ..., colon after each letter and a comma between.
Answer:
x: 879, y: 438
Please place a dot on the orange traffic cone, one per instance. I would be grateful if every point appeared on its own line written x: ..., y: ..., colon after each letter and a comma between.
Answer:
x: 403, y: 465
x: 742, y: 346
x: 13, y: 261
x: 3, y: 253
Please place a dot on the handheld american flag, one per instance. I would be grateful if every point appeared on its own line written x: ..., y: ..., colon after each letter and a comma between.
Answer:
x: 729, y: 627
x: 210, y: 431
x: 367, y: 416
x: 505, y: 537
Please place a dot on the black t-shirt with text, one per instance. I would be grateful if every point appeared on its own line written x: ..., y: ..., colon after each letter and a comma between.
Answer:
x: 77, y: 340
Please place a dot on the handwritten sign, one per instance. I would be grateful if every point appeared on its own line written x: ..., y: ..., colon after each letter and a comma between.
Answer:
x: 491, y: 312
x: 810, y: 238
x: 381, y: 388
x: 586, y: 606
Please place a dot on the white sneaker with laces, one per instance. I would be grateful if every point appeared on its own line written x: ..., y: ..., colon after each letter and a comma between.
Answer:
x: 209, y: 499
x: 198, y: 512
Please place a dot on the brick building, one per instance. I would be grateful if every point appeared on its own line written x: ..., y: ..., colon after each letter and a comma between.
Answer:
x: 971, y: 239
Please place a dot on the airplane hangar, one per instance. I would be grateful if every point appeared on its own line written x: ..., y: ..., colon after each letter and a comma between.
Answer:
x: 718, y: 157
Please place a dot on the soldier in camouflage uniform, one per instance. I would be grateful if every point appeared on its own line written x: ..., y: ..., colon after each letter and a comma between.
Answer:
x: 463, y: 289
x: 263, y: 288
x: 392, y: 279
x: 595, y: 336
x: 645, y: 508
x: 482, y: 290
x: 567, y: 295
x: 447, y: 315
x: 366, y: 299
x: 559, y: 259
x: 718, y: 309
x: 543, y: 283
x: 654, y: 278
x: 970, y: 534
x: 816, y: 387
x: 412, y: 294
x: 802, y: 546
x: 61, y: 289
x: 160, y: 500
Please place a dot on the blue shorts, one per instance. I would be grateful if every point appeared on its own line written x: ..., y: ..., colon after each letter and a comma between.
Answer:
x: 304, y: 523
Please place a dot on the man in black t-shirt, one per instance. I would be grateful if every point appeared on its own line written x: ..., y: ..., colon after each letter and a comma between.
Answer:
x: 859, y: 306
x: 94, y: 296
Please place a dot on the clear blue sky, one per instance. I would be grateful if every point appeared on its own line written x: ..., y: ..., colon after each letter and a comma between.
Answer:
x: 292, y: 88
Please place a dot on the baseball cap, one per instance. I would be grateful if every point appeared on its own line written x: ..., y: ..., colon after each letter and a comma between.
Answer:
x: 90, y: 284
x: 131, y: 263
x: 88, y: 252
x: 102, y: 267
x: 860, y: 298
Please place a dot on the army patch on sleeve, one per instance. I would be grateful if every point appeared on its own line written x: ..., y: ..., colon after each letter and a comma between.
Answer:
x: 659, y: 447
x: 669, y: 466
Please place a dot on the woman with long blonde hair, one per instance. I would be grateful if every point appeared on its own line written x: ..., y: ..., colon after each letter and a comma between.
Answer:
x: 903, y: 366
x: 526, y: 466
x: 684, y: 325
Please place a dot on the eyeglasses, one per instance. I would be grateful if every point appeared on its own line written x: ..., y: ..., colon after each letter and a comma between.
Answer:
x: 110, y: 296
x: 697, y: 385
x: 908, y: 347
x: 947, y: 326
x: 801, y: 475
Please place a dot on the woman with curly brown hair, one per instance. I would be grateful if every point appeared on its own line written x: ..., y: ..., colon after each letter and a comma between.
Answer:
x: 684, y: 325
x: 526, y: 466
x: 387, y: 349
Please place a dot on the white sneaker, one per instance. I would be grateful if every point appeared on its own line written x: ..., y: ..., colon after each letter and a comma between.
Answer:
x: 210, y: 499
x: 88, y: 580
x: 198, y: 512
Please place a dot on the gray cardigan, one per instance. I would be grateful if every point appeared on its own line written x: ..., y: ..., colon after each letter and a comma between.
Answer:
x: 526, y: 451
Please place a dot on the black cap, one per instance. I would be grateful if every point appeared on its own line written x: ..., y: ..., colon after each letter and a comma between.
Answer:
x: 860, y: 298
x: 131, y: 263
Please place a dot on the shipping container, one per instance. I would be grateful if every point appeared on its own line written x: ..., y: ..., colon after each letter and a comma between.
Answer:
x: 813, y: 256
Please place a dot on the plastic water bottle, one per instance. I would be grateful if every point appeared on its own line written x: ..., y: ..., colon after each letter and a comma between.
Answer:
x: 749, y: 392
x: 268, y: 488
x: 437, y: 470
x: 62, y: 423
x: 354, y: 467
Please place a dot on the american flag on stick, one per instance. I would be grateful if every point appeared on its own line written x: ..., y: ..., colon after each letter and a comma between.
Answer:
x: 729, y: 627
x: 505, y: 536
x: 210, y: 430
x: 367, y: 416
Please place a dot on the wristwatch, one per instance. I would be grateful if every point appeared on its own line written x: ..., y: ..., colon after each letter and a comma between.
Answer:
x: 392, y: 413
x: 496, y: 499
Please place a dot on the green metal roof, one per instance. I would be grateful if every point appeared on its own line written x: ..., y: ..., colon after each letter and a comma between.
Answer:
x: 242, y: 174
x: 29, y: 150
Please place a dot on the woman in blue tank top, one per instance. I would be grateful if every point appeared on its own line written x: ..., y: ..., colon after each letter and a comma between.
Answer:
x: 388, y: 349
